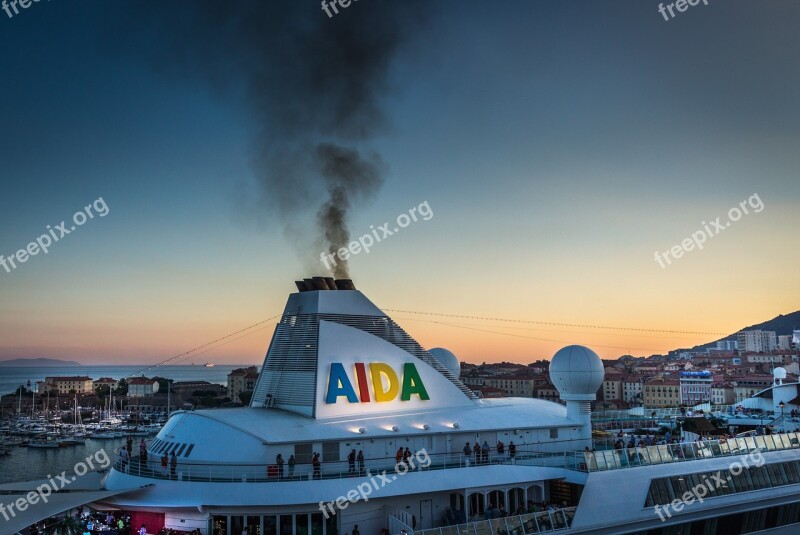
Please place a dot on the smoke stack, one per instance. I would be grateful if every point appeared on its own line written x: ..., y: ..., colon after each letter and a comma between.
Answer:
x: 331, y: 283
x: 301, y: 286
x: 319, y: 283
x: 345, y: 284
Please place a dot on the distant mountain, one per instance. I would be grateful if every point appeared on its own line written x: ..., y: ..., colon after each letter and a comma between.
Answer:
x: 782, y: 324
x: 39, y: 362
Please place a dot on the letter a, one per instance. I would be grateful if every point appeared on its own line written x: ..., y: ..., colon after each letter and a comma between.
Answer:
x: 412, y: 383
x: 339, y: 385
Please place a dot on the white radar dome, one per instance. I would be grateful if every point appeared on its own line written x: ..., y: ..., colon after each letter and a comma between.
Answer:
x: 577, y: 372
x: 779, y: 373
x: 447, y: 359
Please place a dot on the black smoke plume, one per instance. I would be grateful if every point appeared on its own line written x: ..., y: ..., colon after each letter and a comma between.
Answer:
x: 314, y: 87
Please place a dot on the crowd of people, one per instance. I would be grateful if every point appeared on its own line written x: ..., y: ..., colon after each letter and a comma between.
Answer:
x: 88, y: 522
x: 481, y: 453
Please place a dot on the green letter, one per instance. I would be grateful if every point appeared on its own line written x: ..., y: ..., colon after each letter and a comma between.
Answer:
x: 412, y: 383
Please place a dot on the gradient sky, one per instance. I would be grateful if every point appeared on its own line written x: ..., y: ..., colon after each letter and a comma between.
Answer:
x: 559, y: 145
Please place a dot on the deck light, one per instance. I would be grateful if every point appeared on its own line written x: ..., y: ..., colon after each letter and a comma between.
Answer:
x: 395, y: 428
x: 455, y: 425
x: 362, y: 430
x: 426, y: 427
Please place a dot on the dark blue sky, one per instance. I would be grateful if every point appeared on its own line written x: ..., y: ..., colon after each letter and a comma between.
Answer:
x: 559, y: 143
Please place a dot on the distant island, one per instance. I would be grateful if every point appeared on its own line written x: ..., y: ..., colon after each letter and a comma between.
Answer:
x: 39, y: 362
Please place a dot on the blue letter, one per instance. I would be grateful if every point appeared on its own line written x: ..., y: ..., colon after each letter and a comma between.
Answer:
x: 339, y: 385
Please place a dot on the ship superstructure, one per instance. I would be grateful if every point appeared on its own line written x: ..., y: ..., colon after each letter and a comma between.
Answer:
x: 353, y: 423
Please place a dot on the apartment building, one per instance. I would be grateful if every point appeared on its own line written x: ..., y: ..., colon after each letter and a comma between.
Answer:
x: 757, y: 341
x: 722, y: 394
x: 67, y: 385
x: 142, y: 387
x: 632, y: 389
x: 242, y: 380
x: 612, y: 388
x: 662, y: 393
x: 513, y: 385
x: 696, y: 387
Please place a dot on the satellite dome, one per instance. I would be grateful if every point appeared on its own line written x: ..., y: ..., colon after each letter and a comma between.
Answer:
x: 446, y: 358
x: 779, y: 373
x: 577, y: 372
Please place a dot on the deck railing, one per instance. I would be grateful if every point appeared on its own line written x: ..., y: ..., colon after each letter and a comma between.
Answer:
x: 541, y: 522
x: 526, y: 455
x: 686, y: 451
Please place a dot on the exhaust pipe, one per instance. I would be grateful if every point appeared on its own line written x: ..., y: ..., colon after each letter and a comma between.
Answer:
x: 319, y: 283
x: 345, y: 284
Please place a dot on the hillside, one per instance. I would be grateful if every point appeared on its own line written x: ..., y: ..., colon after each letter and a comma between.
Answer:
x: 38, y: 362
x: 781, y: 324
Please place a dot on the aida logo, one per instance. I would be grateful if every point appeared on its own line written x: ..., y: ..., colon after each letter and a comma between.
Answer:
x: 385, y: 383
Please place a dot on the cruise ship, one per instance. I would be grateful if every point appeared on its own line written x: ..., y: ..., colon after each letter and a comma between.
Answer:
x: 354, y: 428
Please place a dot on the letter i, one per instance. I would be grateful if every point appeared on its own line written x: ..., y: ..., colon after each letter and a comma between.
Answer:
x: 363, y: 387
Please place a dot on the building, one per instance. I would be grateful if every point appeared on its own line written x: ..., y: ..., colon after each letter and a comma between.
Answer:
x: 518, y: 386
x: 612, y: 388
x: 696, y: 387
x: 785, y: 341
x: 760, y: 358
x: 241, y: 380
x: 727, y: 345
x: 632, y: 389
x: 67, y: 385
x: 757, y: 341
x: 722, y: 394
x: 547, y: 392
x: 748, y: 386
x: 661, y: 393
x: 105, y: 381
x: 142, y: 387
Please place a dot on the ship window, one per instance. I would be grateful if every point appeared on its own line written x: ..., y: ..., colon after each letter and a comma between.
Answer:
x: 189, y: 450
x: 330, y: 452
x: 554, y: 433
x: 286, y: 525
x: 302, y: 453
x: 270, y: 525
x: 180, y: 450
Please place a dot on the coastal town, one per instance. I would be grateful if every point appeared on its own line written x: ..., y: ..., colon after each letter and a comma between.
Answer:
x: 729, y: 372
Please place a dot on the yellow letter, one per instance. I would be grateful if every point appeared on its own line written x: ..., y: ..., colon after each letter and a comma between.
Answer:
x: 377, y: 370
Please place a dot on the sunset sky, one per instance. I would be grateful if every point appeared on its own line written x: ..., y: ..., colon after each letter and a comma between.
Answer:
x: 559, y: 145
